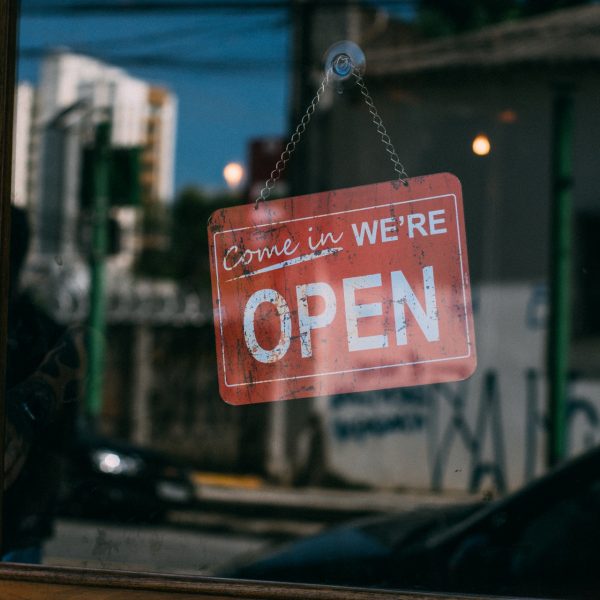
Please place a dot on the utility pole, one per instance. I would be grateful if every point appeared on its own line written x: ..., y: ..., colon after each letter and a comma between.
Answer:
x: 97, y: 318
x: 560, y: 273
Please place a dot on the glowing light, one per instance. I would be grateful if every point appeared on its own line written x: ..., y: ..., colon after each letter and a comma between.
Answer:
x: 481, y: 145
x: 233, y: 174
x: 508, y: 116
x: 110, y: 463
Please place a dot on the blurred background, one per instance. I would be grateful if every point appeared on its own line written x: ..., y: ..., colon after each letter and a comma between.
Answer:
x: 135, y: 120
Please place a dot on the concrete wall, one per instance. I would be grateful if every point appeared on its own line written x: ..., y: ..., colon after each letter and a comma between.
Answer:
x: 432, y: 122
x: 487, y: 432
x: 161, y: 391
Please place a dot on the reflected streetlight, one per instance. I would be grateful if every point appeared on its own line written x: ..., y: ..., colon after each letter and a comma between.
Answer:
x: 233, y: 173
x: 481, y: 145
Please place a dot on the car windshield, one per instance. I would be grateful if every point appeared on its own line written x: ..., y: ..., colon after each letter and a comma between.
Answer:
x: 305, y: 291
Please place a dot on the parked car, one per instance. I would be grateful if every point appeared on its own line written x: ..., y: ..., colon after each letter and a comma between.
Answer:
x: 539, y: 541
x: 113, y: 479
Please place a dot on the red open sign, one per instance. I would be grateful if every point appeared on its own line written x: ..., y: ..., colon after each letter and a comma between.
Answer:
x: 350, y: 290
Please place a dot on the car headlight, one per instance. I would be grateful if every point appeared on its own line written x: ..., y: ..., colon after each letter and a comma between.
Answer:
x: 115, y: 463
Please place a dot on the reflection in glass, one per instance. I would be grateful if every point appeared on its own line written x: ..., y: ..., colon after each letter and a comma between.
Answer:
x: 158, y: 472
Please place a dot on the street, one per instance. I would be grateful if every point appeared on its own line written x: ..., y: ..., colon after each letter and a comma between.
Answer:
x: 164, y: 548
x: 234, y: 522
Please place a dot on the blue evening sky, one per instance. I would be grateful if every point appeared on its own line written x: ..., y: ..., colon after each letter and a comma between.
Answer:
x: 221, y: 106
x: 219, y: 109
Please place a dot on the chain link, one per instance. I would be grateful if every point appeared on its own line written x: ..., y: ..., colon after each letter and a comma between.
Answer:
x: 301, y: 128
x: 385, y: 138
x: 291, y: 145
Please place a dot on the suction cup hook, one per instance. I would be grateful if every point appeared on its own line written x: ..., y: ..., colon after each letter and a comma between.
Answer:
x: 343, y: 59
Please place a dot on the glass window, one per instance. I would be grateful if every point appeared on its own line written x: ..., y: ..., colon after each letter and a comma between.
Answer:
x: 135, y: 122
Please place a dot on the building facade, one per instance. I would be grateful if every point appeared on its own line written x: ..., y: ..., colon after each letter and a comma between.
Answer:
x: 435, y: 98
x: 159, y: 149
x: 23, y: 155
x: 75, y: 92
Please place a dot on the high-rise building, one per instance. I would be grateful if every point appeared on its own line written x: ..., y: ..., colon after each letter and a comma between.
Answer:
x: 23, y: 149
x: 159, y: 150
x: 67, y: 79
x: 75, y: 92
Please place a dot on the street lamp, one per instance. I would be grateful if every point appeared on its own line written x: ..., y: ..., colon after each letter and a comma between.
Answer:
x: 233, y: 174
x: 481, y: 145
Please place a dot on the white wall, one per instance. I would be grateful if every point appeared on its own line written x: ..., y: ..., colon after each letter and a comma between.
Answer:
x: 442, y: 437
x: 22, y: 140
x: 166, y: 166
x: 67, y: 78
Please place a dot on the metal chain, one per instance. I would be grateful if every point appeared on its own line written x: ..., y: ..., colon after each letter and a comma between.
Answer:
x: 301, y: 128
x: 385, y: 138
x: 291, y: 145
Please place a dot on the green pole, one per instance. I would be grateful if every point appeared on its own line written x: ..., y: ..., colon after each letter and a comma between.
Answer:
x: 560, y: 273
x: 100, y: 176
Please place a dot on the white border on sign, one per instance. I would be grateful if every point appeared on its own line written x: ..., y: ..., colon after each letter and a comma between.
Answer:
x: 402, y: 364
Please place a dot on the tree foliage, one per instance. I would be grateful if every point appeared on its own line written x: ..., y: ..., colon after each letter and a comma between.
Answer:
x: 155, y: 226
x: 189, y: 235
x: 444, y: 17
x: 183, y: 228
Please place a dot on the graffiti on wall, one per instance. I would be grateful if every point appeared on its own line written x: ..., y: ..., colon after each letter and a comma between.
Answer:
x: 412, y: 413
x: 399, y: 421
x: 492, y: 428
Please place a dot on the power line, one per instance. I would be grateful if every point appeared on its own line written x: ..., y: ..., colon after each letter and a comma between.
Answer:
x: 94, y: 48
x: 229, y: 66
x: 144, y: 6
x: 201, y: 30
x: 106, y: 8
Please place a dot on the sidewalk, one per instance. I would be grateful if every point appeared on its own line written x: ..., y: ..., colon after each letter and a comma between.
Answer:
x: 327, y: 499
x: 250, y: 505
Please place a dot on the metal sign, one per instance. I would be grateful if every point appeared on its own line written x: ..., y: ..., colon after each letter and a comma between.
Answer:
x: 349, y: 290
